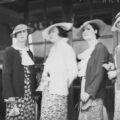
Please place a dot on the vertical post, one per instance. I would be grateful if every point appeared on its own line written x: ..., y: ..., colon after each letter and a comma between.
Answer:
x: 46, y: 20
x: 67, y: 15
x: 45, y: 10
x: 26, y: 11
x: 67, y: 10
x: 115, y: 34
x: 90, y: 2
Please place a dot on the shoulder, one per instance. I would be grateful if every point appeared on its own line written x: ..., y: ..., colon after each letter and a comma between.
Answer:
x: 8, y: 54
x: 9, y: 50
x: 101, y: 47
x: 68, y: 48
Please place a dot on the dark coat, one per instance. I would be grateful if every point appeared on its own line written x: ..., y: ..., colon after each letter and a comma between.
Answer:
x: 13, y: 74
x: 96, y: 75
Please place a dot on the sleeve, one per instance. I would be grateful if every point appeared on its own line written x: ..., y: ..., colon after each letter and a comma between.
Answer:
x: 117, y: 58
x: 45, y: 69
x: 101, y: 57
x: 7, y: 75
x: 71, y: 64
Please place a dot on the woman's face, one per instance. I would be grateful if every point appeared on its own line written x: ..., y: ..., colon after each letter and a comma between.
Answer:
x: 118, y: 25
x: 88, y: 32
x: 53, y: 34
x: 22, y: 36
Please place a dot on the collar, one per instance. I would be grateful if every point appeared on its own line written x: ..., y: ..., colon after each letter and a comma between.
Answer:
x: 20, y: 49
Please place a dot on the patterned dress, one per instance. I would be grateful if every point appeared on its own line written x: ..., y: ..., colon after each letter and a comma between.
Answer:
x: 117, y: 104
x: 54, y: 107
x: 117, y: 85
x: 25, y: 104
x: 94, y: 83
x: 95, y: 112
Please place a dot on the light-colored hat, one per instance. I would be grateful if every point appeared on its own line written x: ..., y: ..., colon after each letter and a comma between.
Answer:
x: 114, y: 27
x: 21, y: 27
x: 65, y: 25
x: 98, y: 22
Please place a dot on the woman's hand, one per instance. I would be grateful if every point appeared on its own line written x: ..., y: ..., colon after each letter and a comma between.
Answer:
x: 10, y: 99
x: 43, y: 83
x: 112, y: 74
x: 109, y: 66
x: 84, y: 96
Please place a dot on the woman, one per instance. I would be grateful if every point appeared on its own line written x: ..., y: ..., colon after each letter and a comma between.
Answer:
x: 115, y: 73
x: 18, y: 78
x: 93, y: 74
x: 60, y: 69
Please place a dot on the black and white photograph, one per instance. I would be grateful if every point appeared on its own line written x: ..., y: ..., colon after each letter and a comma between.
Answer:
x: 59, y: 59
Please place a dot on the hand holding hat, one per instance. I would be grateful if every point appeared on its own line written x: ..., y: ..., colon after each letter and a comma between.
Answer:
x: 21, y: 27
x: 114, y: 27
x: 118, y: 15
x: 65, y: 25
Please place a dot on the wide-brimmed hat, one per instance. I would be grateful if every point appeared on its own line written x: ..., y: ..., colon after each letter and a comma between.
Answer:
x: 21, y: 27
x: 98, y: 22
x: 65, y: 25
x: 114, y: 27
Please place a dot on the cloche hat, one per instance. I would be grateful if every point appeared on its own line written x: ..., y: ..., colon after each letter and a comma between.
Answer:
x: 21, y: 27
x: 114, y: 27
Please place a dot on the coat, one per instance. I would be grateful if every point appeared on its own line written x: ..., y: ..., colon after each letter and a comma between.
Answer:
x: 96, y: 75
x: 13, y: 74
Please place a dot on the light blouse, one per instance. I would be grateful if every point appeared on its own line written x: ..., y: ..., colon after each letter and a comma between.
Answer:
x: 26, y: 59
x: 61, y: 66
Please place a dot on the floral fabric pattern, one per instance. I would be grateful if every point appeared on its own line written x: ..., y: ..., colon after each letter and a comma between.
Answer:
x: 93, y: 113
x: 25, y: 104
x: 117, y: 104
x: 54, y: 107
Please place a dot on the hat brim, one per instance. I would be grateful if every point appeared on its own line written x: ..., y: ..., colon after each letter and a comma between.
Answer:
x: 118, y: 15
x: 66, y: 26
x: 98, y: 22
x: 30, y: 30
x: 114, y: 27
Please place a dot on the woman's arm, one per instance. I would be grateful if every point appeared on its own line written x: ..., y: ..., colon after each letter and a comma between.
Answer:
x: 7, y: 75
x: 71, y: 64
